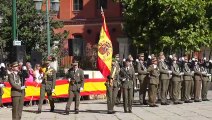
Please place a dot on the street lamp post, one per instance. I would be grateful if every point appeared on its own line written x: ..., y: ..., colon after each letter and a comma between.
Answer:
x: 14, y: 20
x: 1, y: 19
x: 55, y: 7
x: 1, y: 47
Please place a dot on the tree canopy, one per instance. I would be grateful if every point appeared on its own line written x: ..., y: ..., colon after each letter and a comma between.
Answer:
x: 168, y: 24
x: 31, y: 27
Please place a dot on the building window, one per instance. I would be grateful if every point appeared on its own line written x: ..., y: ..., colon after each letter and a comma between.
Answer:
x: 78, y: 5
x: 97, y: 38
x: 102, y: 3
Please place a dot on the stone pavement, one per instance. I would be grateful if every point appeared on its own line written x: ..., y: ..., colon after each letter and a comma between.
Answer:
x: 96, y: 110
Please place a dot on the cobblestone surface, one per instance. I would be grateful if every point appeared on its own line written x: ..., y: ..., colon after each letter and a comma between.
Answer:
x: 97, y: 110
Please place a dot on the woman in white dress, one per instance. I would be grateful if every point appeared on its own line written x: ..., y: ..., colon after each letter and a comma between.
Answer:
x: 38, y: 75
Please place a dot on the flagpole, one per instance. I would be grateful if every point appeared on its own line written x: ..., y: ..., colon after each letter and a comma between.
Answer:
x: 105, y: 49
x: 102, y: 12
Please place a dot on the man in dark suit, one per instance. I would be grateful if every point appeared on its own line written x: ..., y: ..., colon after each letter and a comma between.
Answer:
x: 75, y: 77
x: 127, y: 76
x: 47, y: 86
x: 17, y: 92
x: 143, y: 79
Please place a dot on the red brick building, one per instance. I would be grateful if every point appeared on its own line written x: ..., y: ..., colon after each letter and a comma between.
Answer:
x: 82, y: 19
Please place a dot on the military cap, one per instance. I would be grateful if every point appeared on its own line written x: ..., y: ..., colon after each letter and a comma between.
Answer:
x: 185, y: 57
x: 14, y: 64
x: 128, y: 60
x: 154, y: 59
x: 130, y: 57
x: 141, y: 55
x: 161, y: 54
x: 75, y: 62
x: 173, y: 55
x: 117, y: 56
x: 47, y: 62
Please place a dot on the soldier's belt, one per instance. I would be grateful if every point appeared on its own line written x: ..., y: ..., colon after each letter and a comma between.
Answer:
x: 74, y: 82
x: 49, y: 80
x: 126, y: 80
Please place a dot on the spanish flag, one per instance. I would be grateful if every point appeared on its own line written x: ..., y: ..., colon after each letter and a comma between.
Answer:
x: 105, y: 50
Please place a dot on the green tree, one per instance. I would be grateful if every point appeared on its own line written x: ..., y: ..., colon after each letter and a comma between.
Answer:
x: 31, y: 27
x: 168, y: 24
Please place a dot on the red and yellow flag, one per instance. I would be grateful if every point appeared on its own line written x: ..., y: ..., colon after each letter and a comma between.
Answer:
x: 105, y: 50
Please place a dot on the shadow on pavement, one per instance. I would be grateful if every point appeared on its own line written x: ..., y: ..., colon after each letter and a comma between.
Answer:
x: 94, y: 103
x: 31, y: 111
x: 59, y: 111
x: 96, y: 111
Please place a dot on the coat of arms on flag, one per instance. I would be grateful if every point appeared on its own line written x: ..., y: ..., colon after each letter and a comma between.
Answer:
x: 105, y: 50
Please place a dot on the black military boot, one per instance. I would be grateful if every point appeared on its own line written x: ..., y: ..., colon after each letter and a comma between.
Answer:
x: 76, y: 111
x: 39, y: 112
x: 66, y: 112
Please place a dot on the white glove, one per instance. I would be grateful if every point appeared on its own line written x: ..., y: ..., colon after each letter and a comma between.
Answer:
x: 52, y: 90
x: 23, y: 87
x: 183, y: 58
x: 124, y: 79
x: 169, y: 71
x: 203, y: 72
x: 81, y: 88
x: 134, y: 88
x: 208, y: 74
x: 181, y: 73
x: 1, y: 85
x: 24, y: 68
x: 149, y: 57
x: 155, y: 66
x: 136, y: 60
x: 170, y: 56
x: 2, y: 65
x: 69, y: 80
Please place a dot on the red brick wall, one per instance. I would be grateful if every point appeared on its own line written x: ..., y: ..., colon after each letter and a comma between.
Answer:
x: 88, y: 22
x: 89, y: 10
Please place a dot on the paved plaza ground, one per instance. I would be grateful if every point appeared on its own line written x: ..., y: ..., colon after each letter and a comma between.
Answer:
x: 96, y: 110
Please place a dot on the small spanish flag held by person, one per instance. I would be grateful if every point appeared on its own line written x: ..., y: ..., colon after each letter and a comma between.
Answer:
x: 105, y: 50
